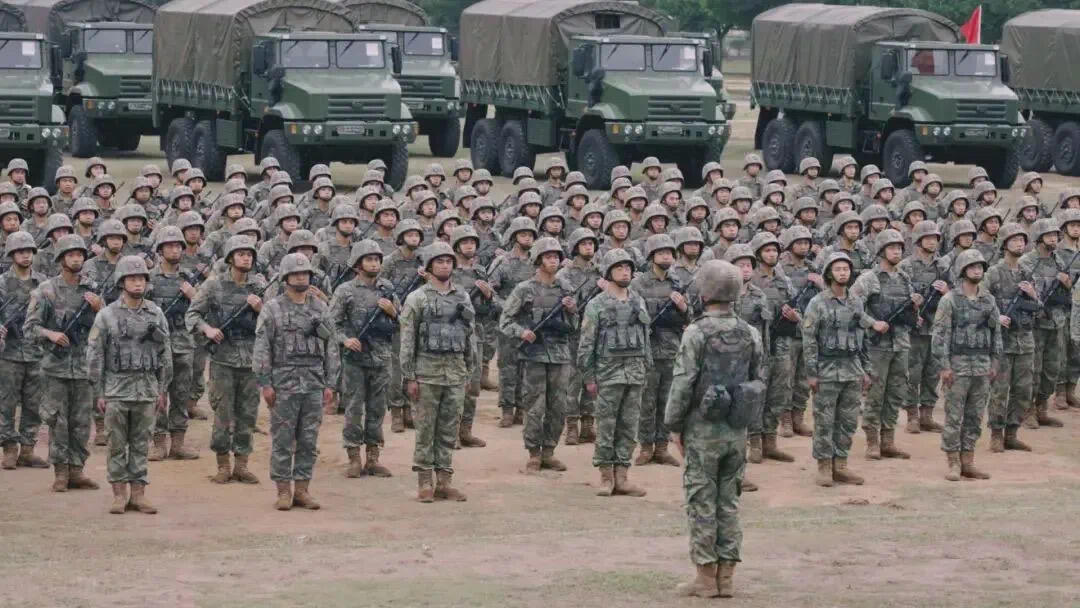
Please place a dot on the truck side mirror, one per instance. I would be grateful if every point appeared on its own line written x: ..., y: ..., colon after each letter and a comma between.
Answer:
x: 395, y: 59
x: 596, y: 86
x: 1006, y: 69
x: 66, y: 44
x: 580, y: 60
x: 454, y: 50
x: 259, y: 62
x: 706, y: 62
x: 889, y: 66
x: 903, y: 92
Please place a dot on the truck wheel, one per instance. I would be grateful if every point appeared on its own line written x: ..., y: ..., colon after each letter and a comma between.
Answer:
x: 596, y: 158
x: 205, y: 153
x: 398, y: 164
x: 776, y: 144
x: 1003, y: 168
x: 901, y: 149
x: 128, y: 141
x: 274, y: 144
x: 1037, y: 149
x: 178, y: 139
x: 514, y: 148
x: 43, y: 168
x: 690, y: 162
x: 84, y: 135
x: 810, y: 143
x: 484, y: 145
x: 445, y: 137
x: 1067, y: 148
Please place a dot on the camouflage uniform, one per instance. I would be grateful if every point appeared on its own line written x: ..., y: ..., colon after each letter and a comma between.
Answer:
x: 799, y: 275
x: 19, y: 361
x: 923, y: 368
x: 579, y: 403
x: 779, y: 291
x: 400, y: 269
x: 1010, y: 396
x: 1051, y: 324
x: 487, y: 319
x: 509, y: 273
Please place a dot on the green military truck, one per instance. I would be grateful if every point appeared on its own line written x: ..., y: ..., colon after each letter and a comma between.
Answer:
x: 31, y: 125
x: 598, y: 79
x: 712, y: 42
x: 429, y: 82
x: 1042, y: 71
x: 889, y: 86
x: 100, y: 67
x: 290, y: 79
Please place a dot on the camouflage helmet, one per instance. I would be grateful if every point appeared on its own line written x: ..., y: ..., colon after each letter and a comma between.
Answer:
x: 520, y: 224
x: 246, y: 224
x: 881, y: 184
x: 827, y: 185
x: 131, y: 212
x: 168, y: 234
x: 845, y: 218
x: 652, y: 211
x: 344, y: 212
x: 322, y: 182
x: 620, y: 171
x: 763, y: 239
x: 295, y: 263
x: 462, y: 164
x: 1066, y: 194
x: 362, y: 249
x: 790, y: 235
x: 686, y: 235
x: 657, y: 242
x: 932, y: 178
x: 977, y: 172
x: 372, y: 176
x: 613, y: 217
x: 741, y: 193
x: 916, y: 165
x: 35, y: 193
x: 1027, y: 201
x: 318, y: 170
x: 377, y: 164
x: 834, y: 257
x: 436, y: 250
x: 709, y: 167
x: 189, y: 219
x: 694, y: 202
x: 774, y: 176
x: 111, y: 227
x: 101, y: 181
x: 651, y: 162
x: 281, y: 178
x: 365, y: 191
x: 66, y: 243
x: 284, y: 211
x: 424, y: 196
x: 616, y: 257
x: 280, y: 191
x: 236, y: 185
x: 387, y: 204
x: 65, y: 171
x: 406, y: 226
x: 961, y: 227
x: 434, y: 169
x: 874, y: 212
x: 982, y: 188
x: 527, y: 184
x: 671, y: 174
x: 130, y: 266
x: 1068, y: 216
x: 521, y: 173
x: 301, y: 238
x: 180, y: 164
x: 841, y: 197
x: 739, y: 251
x: 462, y: 232
x: 954, y: 196
x: 11, y: 207
x: 985, y: 213
x: 969, y: 257
x: 721, y: 184
x: 752, y: 159
x: 1043, y: 227
x: 889, y: 236
x: 481, y: 175
x: 547, y: 213
x: 765, y: 213
x: 232, y: 199
x: 233, y: 169
x: 726, y: 214
x: 194, y: 173
x: 480, y: 202
x: 636, y: 192
x: 556, y: 161
x: 444, y: 216
x: 923, y: 229
x: 846, y: 161
x: 57, y: 221
x: 1008, y: 231
x: 809, y: 163
x: 529, y: 198
x: 268, y: 162
x: 619, y: 183
x: 544, y: 245
x: 140, y: 183
x: 911, y: 207
x: 17, y: 241
x: 718, y: 281
x: 97, y: 161
x: 82, y: 203
x: 802, y: 204
x: 239, y: 242
x: 179, y: 192
x: 577, y: 190
x: 773, y: 188
x: 464, y: 192
x: 16, y: 164
x: 592, y: 209
x: 866, y: 172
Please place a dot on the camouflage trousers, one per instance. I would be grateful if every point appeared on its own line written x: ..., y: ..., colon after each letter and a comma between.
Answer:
x: 1049, y: 361
x: 712, y: 481
x: 1071, y: 367
x: 364, y: 394
x: 395, y: 393
x: 65, y: 408
x: 654, y: 398
x: 778, y: 392
x: 175, y: 417
x: 437, y: 415
x: 128, y: 425
x: 578, y: 401
x: 965, y: 402
x: 20, y: 392
x: 509, y: 372
x: 234, y: 397
x: 923, y: 373
x: 488, y: 336
x: 294, y: 434
x: 1010, y: 394
x: 885, y: 397
x: 543, y: 395
x: 800, y: 388
x: 472, y: 390
x: 617, y: 409
x: 836, y: 416
x: 198, y: 369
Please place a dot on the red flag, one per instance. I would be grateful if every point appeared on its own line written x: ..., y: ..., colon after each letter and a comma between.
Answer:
x: 972, y: 30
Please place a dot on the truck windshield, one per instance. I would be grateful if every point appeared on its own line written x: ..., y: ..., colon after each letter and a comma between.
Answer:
x: 622, y: 56
x: 928, y: 62
x: 424, y: 43
x: 674, y: 57
x: 360, y: 54
x: 305, y: 54
x: 105, y: 41
x: 20, y: 54
x: 975, y: 63
x: 143, y: 42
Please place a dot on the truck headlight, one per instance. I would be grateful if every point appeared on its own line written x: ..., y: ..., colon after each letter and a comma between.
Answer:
x: 937, y: 131
x: 406, y: 129
x: 947, y: 131
x: 111, y: 105
x: 712, y: 130
x: 45, y: 132
x: 1015, y: 132
x: 318, y: 129
x: 306, y: 130
x: 396, y: 130
x: 56, y: 132
x: 638, y: 129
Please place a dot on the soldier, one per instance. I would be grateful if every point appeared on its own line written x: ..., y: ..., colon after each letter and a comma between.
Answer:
x: 400, y: 268
x: 1031, y: 184
x: 708, y: 424
x: 133, y: 217
x: 917, y: 173
x: 847, y: 228
x: 470, y: 274
x: 954, y: 210
x: 849, y: 169
x: 463, y: 173
x: 655, y: 222
x: 224, y: 311
x: 987, y: 222
x: 837, y: 366
x: 751, y: 179
x: 85, y: 215
x: 438, y: 356
x: 129, y: 365
x: 65, y: 181
x: 613, y: 355
x: 1065, y: 397
x: 317, y: 213
x: 967, y: 339
x: 930, y: 196
x: 617, y: 234
x: 890, y: 308
x: 287, y: 221
x: 726, y: 233
x: 444, y: 224
x: 19, y: 173
x: 711, y: 174
x: 868, y: 176
x: 650, y: 170
x: 581, y: 271
x: 39, y: 205
x: 796, y: 243
x: 95, y: 168
x: 810, y: 170
x: 514, y: 268
x: 59, y: 226
x: 387, y: 216
x: 552, y: 189
x: 112, y: 236
x: 1010, y: 395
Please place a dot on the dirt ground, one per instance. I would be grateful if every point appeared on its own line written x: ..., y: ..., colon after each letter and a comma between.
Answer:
x: 906, y: 538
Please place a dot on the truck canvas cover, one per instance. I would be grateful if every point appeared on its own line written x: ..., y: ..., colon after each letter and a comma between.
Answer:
x: 828, y: 45
x: 1050, y: 42
x: 50, y: 17
x: 210, y: 41
x: 11, y: 19
x: 525, y: 42
x: 396, y: 12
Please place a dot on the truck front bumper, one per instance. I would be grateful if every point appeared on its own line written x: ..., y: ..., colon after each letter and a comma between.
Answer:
x: 33, y: 136
x: 969, y: 135
x: 668, y: 133
x: 333, y: 133
x: 118, y: 108
x: 432, y: 107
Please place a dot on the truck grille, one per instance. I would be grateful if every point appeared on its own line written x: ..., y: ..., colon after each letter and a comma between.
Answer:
x: 674, y: 107
x: 420, y: 86
x: 13, y: 109
x: 981, y: 111
x: 134, y: 86
x: 355, y: 107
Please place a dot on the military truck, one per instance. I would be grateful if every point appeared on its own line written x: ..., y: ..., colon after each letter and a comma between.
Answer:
x: 598, y: 79
x: 712, y: 42
x: 429, y: 82
x: 889, y: 86
x: 31, y: 125
x: 1042, y: 72
x: 290, y: 79
x: 100, y: 67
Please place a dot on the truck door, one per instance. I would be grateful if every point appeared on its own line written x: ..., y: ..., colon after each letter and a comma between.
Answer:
x: 886, y: 67
x: 583, y: 63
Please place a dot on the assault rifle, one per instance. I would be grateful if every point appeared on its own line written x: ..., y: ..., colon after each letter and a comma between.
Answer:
x: 68, y: 328
x: 550, y: 315
x: 12, y: 325
x: 676, y: 288
x: 785, y: 328
x: 1053, y: 286
x: 367, y: 322
x: 194, y: 279
x: 235, y: 314
x: 893, y: 317
x: 341, y: 277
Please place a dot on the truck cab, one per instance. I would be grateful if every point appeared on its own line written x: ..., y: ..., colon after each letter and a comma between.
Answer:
x: 31, y: 125
x: 716, y: 79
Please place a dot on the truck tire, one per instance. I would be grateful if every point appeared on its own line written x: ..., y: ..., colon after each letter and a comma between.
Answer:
x: 484, y: 145
x: 43, y: 168
x: 1067, y: 148
x: 1037, y: 149
x: 84, y: 135
x: 514, y: 148
x: 128, y: 141
x: 777, y: 143
x: 445, y: 138
x: 178, y: 139
x: 205, y: 153
x: 397, y: 164
x: 900, y: 150
x: 275, y: 144
x: 810, y: 142
x: 1003, y: 168
x: 596, y: 158
x: 690, y: 162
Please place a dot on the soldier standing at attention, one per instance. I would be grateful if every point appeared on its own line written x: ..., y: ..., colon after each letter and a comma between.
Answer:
x: 796, y: 242
x: 582, y: 268
x: 613, y: 356
x: 718, y: 350
x: 751, y: 179
x: 400, y: 269
x: 129, y: 365
x: 513, y: 267
x: 438, y: 357
x: 297, y: 379
x: 471, y: 274
x: 967, y: 339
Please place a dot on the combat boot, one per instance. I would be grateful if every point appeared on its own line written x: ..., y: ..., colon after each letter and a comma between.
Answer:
x: 954, y: 466
x: 1031, y: 419
x: 407, y: 417
x: 60, y: 484
x: 1061, y: 402
x: 746, y: 485
x: 534, y: 463
x: 645, y: 454
x: 661, y: 455
x: 301, y: 498
x: 519, y: 416
x: 926, y: 420
x: 873, y: 448
x: 824, y: 473
x: 425, y: 491
x: 997, y: 440
x: 587, y: 434
x: 78, y: 481
x: 467, y: 439
x: 284, y: 496
x: 770, y: 451
x: 725, y: 578
x: 967, y: 467
x: 607, y: 481
x: 177, y: 451
x: 120, y: 499
x: 841, y: 474
x: 193, y: 411
x: 356, y: 466
x: 703, y: 585
x: 571, y: 430
x: 443, y: 489
x: 507, y: 419
x: 798, y: 424
x: 240, y: 470
x: 138, y: 500
x: 1012, y: 442
x: 224, y: 475
x: 785, y: 425
x: 548, y: 460
x: 373, y: 467
x: 489, y: 381
x: 888, y: 445
x: 1044, y: 418
x: 623, y: 487
x: 27, y: 458
x: 755, y: 449
x: 158, y: 447
x: 1070, y: 395
x: 11, y: 456
x: 914, y: 425
x: 397, y: 420
x: 100, y: 438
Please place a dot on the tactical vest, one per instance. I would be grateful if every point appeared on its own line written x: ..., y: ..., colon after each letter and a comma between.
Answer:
x: 465, y: 278
x: 1023, y: 316
x: 893, y: 291
x: 657, y: 295
x: 542, y: 300
x: 840, y: 336
x: 726, y: 358
x: 364, y: 302
x: 513, y: 271
x: 445, y: 321
x: 297, y: 343
x: 1044, y: 273
x: 485, y: 252
x: 750, y: 307
x: 622, y: 327
x: 233, y: 297
x: 971, y: 333
x: 133, y: 341
x: 166, y: 290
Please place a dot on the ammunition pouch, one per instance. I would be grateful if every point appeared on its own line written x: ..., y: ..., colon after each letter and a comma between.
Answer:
x: 747, y: 402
